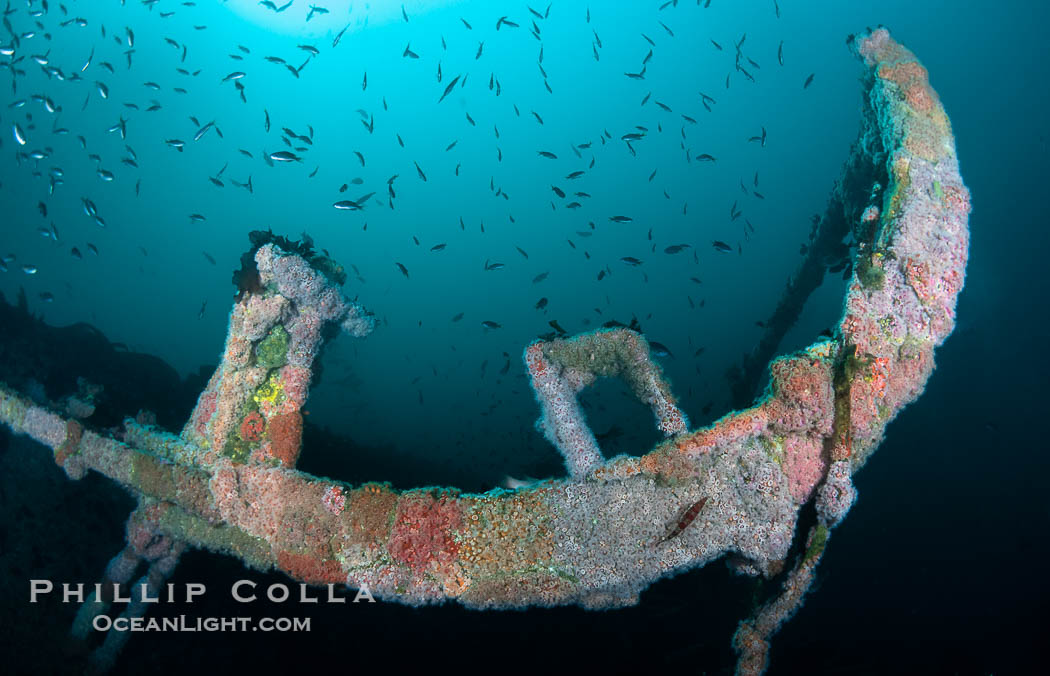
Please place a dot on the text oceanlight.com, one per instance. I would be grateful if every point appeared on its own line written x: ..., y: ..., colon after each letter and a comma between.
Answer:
x: 201, y: 624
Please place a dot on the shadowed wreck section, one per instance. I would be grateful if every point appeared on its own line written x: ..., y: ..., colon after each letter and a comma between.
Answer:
x: 602, y: 535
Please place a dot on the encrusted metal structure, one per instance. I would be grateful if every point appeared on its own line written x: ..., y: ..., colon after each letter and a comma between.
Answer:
x: 600, y: 536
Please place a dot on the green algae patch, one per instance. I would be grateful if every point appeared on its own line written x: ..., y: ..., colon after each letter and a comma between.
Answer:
x: 237, y: 449
x: 871, y: 276
x: 816, y: 545
x: 272, y: 351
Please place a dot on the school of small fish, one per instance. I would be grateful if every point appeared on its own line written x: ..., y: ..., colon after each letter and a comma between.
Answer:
x: 86, y: 67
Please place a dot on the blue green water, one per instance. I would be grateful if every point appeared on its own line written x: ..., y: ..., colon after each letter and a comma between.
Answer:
x: 423, y: 378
